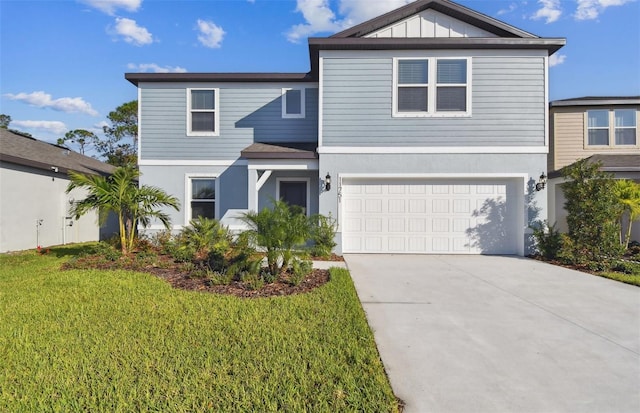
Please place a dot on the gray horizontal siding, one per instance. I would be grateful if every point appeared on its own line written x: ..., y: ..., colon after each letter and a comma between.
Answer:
x: 247, y: 115
x: 508, y: 106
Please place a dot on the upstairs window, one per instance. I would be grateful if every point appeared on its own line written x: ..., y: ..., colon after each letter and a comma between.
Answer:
x: 413, y: 86
x: 203, y: 119
x: 431, y: 87
x: 598, y: 127
x: 612, y: 127
x: 625, y: 126
x: 451, y: 87
x: 293, y: 103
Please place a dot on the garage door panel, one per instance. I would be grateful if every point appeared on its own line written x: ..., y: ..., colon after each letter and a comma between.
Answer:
x: 428, y: 216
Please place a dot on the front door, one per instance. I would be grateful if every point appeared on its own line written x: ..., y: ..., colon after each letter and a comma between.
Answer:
x: 294, y: 193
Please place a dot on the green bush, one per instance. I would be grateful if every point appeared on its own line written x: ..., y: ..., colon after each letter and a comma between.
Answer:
x: 592, y: 214
x: 323, y: 232
x: 108, y: 251
x: 204, y: 237
x: 252, y: 281
x: 548, y: 239
x: 220, y: 277
x: 299, y: 271
x: 281, y: 231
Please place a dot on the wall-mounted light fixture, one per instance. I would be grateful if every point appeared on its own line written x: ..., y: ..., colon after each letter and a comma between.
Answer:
x: 542, y: 182
x: 327, y: 182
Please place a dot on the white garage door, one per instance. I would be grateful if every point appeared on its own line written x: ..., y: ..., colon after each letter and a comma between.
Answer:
x: 429, y: 216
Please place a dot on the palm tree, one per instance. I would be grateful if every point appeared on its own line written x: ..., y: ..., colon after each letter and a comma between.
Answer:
x: 119, y: 193
x: 628, y: 193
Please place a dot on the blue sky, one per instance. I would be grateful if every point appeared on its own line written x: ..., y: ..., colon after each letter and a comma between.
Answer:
x: 63, y: 62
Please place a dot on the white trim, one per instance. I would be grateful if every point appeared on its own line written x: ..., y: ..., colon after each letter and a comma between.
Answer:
x: 432, y: 149
x: 263, y: 178
x: 187, y: 193
x: 216, y: 112
x: 139, y: 114
x: 285, y: 164
x: 320, y: 98
x: 300, y: 115
x: 296, y: 179
x: 438, y: 175
x: 177, y: 162
x: 546, y: 99
x: 377, y: 54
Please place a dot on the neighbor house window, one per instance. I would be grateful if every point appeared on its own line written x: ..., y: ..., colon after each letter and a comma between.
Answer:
x: 432, y: 87
x: 625, y: 126
x: 293, y: 103
x: 203, y: 117
x: 616, y: 127
x: 202, y: 197
x: 598, y: 127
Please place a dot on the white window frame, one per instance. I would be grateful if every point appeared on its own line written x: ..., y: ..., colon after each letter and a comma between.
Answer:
x: 432, y: 87
x: 611, y: 129
x: 302, y: 113
x: 216, y: 112
x: 188, y: 193
x: 295, y: 179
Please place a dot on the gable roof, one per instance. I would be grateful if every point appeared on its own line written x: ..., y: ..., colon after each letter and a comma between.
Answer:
x: 27, y: 151
x: 449, y: 8
x: 506, y: 36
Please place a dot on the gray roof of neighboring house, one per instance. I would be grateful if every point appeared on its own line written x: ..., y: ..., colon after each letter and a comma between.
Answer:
x: 597, y: 101
x: 617, y: 162
x: 611, y: 163
x: 24, y: 150
x: 135, y: 78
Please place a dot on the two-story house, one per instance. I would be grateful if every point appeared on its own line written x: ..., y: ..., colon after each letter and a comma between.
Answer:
x: 421, y: 131
x: 603, y: 129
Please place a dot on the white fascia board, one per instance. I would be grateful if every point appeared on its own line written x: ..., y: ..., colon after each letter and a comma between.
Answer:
x: 373, y: 54
x: 381, y: 150
x: 285, y: 164
x: 177, y: 162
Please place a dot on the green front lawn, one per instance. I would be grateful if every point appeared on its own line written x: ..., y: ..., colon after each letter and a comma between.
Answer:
x: 110, y: 341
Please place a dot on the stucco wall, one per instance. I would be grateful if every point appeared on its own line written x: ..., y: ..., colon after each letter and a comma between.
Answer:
x: 28, y: 195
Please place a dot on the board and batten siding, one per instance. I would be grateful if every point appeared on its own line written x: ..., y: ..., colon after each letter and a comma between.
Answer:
x: 248, y: 113
x: 508, y: 105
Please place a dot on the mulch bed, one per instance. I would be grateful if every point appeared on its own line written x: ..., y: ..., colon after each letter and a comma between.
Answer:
x: 175, y: 274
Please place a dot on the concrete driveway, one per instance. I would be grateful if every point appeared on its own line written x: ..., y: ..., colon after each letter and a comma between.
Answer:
x: 501, y: 334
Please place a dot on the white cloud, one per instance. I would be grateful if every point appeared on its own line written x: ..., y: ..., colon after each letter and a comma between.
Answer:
x: 211, y: 35
x: 557, y: 59
x: 512, y: 7
x: 110, y: 6
x: 550, y: 11
x: 131, y: 32
x: 357, y: 11
x: 44, y: 100
x: 319, y: 17
x: 52, y: 126
x: 154, y: 68
x: 591, y: 9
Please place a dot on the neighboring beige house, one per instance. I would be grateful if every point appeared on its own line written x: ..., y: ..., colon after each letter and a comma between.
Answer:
x: 34, y: 208
x: 604, y: 129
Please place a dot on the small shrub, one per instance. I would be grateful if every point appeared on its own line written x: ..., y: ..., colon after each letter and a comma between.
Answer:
x: 220, y: 277
x: 299, y: 271
x: 548, y: 239
x: 626, y: 267
x: 108, y: 251
x: 252, y: 281
x: 163, y: 241
x: 323, y: 232
x: 268, y: 277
